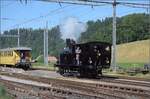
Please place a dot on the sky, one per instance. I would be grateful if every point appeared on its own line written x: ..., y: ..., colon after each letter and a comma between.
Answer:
x: 34, y: 14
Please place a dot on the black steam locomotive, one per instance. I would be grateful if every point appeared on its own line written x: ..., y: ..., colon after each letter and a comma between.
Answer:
x: 86, y: 59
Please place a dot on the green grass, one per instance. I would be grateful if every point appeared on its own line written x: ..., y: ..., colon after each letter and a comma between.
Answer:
x: 50, y: 66
x: 40, y: 64
x: 134, y: 52
x: 3, y: 93
x: 132, y: 56
x: 130, y: 65
x: 118, y: 74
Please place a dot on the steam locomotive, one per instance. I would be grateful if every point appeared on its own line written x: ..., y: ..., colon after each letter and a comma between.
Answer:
x: 86, y: 59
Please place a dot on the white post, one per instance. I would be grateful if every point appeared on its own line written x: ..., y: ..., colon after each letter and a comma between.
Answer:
x: 148, y: 12
x: 18, y: 37
x: 46, y: 44
x: 114, y: 38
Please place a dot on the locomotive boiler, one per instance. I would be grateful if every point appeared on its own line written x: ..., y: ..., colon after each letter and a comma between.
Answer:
x: 85, y: 59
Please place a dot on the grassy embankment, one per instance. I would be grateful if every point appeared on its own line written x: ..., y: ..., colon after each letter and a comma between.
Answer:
x: 131, y: 56
x: 134, y: 54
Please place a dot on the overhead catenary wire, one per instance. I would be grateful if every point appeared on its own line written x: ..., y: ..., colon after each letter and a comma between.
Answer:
x: 74, y: 2
x: 135, y: 6
x: 8, y: 4
x: 90, y: 2
x: 6, y: 19
x: 42, y: 16
x: 96, y: 2
x: 37, y: 18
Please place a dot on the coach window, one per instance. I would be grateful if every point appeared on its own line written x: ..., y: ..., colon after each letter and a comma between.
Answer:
x: 1, y: 53
x: 5, y: 54
x: 11, y: 53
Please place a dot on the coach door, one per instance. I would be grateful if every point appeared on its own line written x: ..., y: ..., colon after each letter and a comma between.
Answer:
x: 25, y: 56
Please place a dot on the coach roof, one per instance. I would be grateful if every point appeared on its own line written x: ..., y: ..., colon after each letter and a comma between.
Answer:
x: 16, y: 48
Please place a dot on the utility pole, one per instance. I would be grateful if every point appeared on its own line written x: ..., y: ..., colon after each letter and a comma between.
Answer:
x: 18, y: 37
x: 46, y: 44
x: 114, y: 38
x: 148, y: 12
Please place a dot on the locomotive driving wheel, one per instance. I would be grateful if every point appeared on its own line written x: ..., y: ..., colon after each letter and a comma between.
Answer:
x: 61, y: 70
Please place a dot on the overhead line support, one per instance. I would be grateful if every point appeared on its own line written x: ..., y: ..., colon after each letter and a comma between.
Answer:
x: 18, y: 37
x: 46, y: 44
x: 114, y: 37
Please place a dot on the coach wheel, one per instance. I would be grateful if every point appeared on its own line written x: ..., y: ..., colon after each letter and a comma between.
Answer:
x: 61, y: 71
x: 82, y: 73
x: 100, y: 72
x: 26, y: 67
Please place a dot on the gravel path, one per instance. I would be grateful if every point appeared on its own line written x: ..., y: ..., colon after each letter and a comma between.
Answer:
x: 42, y: 73
x: 29, y: 82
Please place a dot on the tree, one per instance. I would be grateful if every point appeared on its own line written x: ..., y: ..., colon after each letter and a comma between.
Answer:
x: 132, y: 27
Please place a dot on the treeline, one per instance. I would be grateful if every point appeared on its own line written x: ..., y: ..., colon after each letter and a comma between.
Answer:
x: 34, y: 39
x: 129, y: 28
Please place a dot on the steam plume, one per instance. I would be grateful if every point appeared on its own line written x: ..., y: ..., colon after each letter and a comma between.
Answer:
x: 72, y: 28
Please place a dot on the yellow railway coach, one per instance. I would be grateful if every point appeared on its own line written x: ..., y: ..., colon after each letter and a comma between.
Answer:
x: 16, y: 57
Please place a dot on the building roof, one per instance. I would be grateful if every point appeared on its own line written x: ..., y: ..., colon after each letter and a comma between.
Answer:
x: 16, y: 48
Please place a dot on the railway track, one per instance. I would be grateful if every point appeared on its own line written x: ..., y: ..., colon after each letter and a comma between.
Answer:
x: 104, y: 78
x: 55, y: 91
x: 128, y: 81
x: 20, y: 90
x: 100, y: 90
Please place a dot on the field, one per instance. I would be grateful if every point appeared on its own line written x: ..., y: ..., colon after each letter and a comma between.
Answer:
x: 133, y: 54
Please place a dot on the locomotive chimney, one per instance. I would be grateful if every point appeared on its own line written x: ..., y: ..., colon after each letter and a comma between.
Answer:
x: 70, y: 42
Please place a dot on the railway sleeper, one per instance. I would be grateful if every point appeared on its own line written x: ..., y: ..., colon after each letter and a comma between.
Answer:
x: 122, y: 94
x: 127, y: 89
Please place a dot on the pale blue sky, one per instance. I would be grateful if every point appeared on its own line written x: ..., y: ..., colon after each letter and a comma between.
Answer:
x: 18, y: 13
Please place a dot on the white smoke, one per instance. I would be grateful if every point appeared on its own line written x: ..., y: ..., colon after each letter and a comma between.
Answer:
x: 72, y: 28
